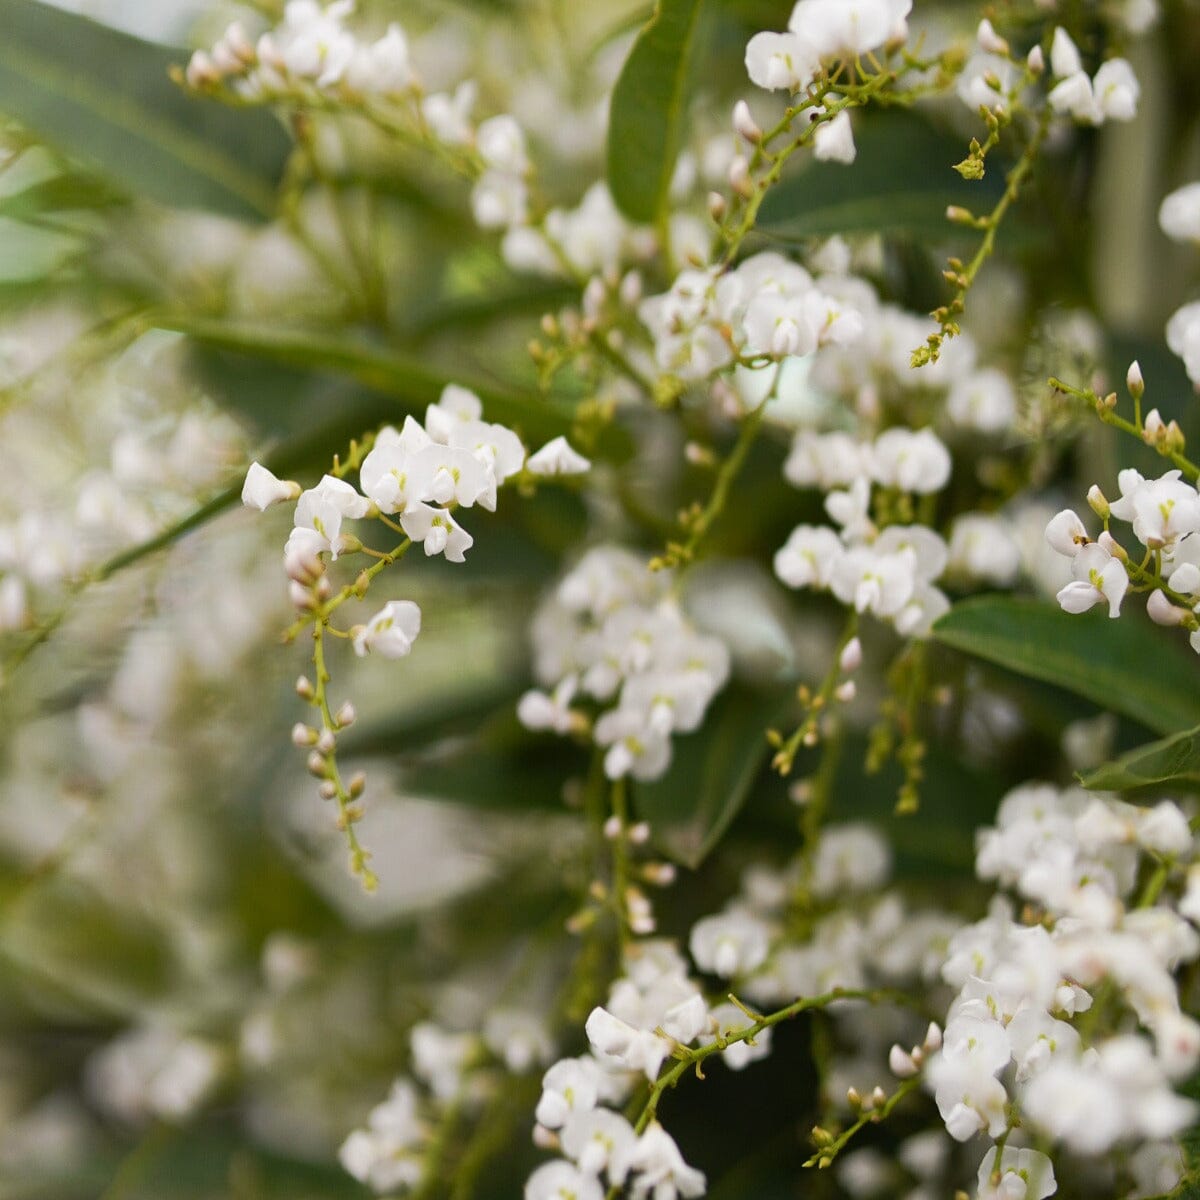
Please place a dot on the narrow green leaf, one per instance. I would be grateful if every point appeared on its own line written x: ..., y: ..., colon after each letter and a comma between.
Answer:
x: 105, y: 98
x: 713, y: 770
x: 1173, y: 759
x: 409, y: 380
x: 649, y: 109
x: 1126, y: 666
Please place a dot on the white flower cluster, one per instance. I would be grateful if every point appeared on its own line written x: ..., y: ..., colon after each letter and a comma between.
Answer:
x: 1164, y: 513
x: 656, y: 1006
x: 1112, y: 95
x: 1012, y: 1033
x: 311, y: 47
x: 419, y: 474
x: 890, y: 573
x: 820, y: 32
x: 610, y: 631
x: 768, y: 307
x: 389, y: 1153
x: 312, y: 50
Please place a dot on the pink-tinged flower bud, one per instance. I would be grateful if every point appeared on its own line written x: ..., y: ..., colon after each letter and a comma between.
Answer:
x: 327, y: 789
x: 304, y: 688
x: 639, y: 834
x: 612, y: 828
x: 851, y: 656
x: 345, y: 716
x: 326, y: 742
x: 317, y: 765
x: 933, y: 1037
x: 301, y: 596
x: 303, y: 735
x: 1134, y: 381
x: 989, y: 40
x: 1036, y: 60
x: 744, y: 124
x: 716, y: 206
x: 845, y: 692
x: 739, y: 176
x: 901, y: 1062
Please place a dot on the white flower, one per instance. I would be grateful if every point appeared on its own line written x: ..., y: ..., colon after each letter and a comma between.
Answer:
x: 596, y: 1138
x: 985, y: 401
x: 456, y: 404
x: 439, y: 1058
x: 911, y: 461
x: 449, y: 475
x: 963, y: 1077
x: 1099, y: 579
x: 849, y: 28
x: 657, y: 1167
x: 881, y: 584
x: 387, y: 1154
x: 981, y: 548
x: 833, y: 141
x: 537, y: 710
x: 1066, y: 533
x: 262, y: 488
x: 1023, y: 1175
x: 1179, y: 214
x: 635, y: 1049
x: 1064, y: 55
x: 449, y: 117
x: 385, y: 472
x: 501, y: 144
x: 391, y: 631
x: 634, y: 747
x: 781, y: 60
x: 808, y: 557
x: 1116, y: 90
x: 1183, y: 337
x: 382, y: 68
x: 437, y: 530
x: 562, y: 1180
x: 825, y: 460
x: 569, y: 1086
x: 557, y: 457
x: 519, y: 1038
x: 729, y: 944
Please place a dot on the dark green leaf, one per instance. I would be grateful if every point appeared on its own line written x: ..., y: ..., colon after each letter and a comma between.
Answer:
x: 1126, y: 666
x: 901, y: 182
x: 1172, y: 760
x: 410, y: 381
x: 649, y: 109
x: 105, y: 98
x: 713, y: 770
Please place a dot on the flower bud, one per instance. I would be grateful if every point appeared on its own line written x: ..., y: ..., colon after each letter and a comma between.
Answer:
x: 659, y: 874
x: 345, y: 716
x: 357, y: 785
x: 1154, y: 429
x: 301, y: 596
x: 1036, y: 60
x: 739, y: 176
x: 326, y: 742
x: 901, y: 1062
x: 716, y: 205
x: 933, y: 1037
x: 545, y: 1139
x: 1134, y: 381
x: 327, y: 789
x: 744, y: 124
x: 303, y: 735
x: 639, y: 834
x: 630, y: 290
x: 851, y: 657
x: 846, y: 691
x: 317, y: 765
x: 989, y: 40
x: 1162, y: 612
x: 612, y: 828
x: 304, y: 688
x: 1098, y: 502
x: 1114, y: 547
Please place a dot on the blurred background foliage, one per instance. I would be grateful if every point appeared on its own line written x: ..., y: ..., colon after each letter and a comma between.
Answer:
x: 309, y: 281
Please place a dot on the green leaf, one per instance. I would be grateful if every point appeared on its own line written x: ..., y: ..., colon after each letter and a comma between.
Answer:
x: 901, y: 182
x: 410, y: 381
x: 1173, y: 759
x: 711, y: 775
x: 1126, y: 666
x: 105, y: 98
x: 649, y: 109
